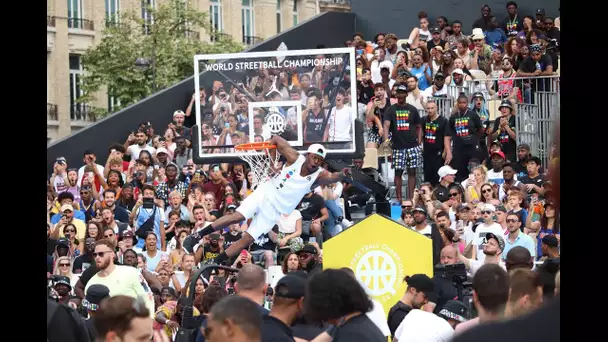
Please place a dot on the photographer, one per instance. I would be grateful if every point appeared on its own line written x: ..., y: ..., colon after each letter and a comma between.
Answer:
x: 492, y: 250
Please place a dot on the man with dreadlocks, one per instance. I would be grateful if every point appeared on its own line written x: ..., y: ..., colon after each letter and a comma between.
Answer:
x: 466, y: 129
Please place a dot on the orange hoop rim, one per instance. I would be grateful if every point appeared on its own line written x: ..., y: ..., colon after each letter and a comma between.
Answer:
x: 255, y: 146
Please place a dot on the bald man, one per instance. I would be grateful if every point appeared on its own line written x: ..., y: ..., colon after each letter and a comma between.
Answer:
x: 251, y: 284
x: 449, y: 255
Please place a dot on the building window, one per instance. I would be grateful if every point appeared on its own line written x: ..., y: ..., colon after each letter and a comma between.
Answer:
x: 279, y: 17
x: 146, y: 5
x: 113, y: 102
x: 77, y: 110
x: 215, y: 14
x: 75, y: 14
x: 247, y: 22
x: 295, y: 12
x: 112, y: 7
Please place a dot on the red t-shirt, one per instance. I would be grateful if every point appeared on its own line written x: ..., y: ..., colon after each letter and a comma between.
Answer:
x: 217, y: 190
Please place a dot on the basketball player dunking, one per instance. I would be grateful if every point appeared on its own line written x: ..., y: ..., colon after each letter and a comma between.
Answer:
x: 279, y: 195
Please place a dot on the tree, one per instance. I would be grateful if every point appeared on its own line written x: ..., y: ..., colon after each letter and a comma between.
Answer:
x: 167, y: 44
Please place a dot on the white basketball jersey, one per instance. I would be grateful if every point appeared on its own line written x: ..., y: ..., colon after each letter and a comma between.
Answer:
x: 290, y: 187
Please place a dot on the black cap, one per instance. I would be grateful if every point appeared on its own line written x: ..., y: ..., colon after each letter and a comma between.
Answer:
x: 127, y: 233
x: 290, y: 286
x: 540, y: 11
x: 550, y: 240
x: 454, y: 309
x: 435, y: 30
x: 214, y: 236
x: 231, y: 206
x: 506, y: 103
x: 524, y: 147
x: 95, y: 293
x: 502, y: 209
x: 308, y: 249
x: 420, y: 209
x: 462, y: 207
x: 511, y: 3
x: 421, y: 282
x: 478, y: 94
x: 88, y: 151
x: 401, y: 87
x: 63, y: 242
x: 59, y: 279
x: 439, y: 74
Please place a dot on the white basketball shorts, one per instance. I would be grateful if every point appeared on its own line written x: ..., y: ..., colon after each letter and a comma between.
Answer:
x: 264, y: 214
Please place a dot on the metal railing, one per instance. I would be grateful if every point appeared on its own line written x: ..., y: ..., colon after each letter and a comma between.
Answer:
x: 251, y: 40
x: 216, y: 36
x: 51, y: 111
x: 536, y: 107
x: 83, y: 112
x: 50, y: 21
x: 79, y: 23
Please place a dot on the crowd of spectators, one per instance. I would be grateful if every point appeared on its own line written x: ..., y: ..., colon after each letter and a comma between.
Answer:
x: 117, y: 228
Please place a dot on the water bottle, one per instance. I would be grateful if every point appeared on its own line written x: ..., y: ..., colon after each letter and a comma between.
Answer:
x: 538, y: 66
x: 395, y: 210
x: 312, y: 239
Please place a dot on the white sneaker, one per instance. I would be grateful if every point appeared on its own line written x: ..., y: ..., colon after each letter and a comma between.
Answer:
x: 337, y: 228
x: 346, y: 223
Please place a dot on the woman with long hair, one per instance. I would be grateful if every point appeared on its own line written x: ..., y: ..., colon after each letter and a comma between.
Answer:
x: 512, y: 47
x: 529, y: 24
x: 71, y: 232
x: 169, y: 140
x: 478, y: 177
x: 291, y: 263
x: 63, y: 266
x: 489, y: 195
x: 93, y: 231
x: 178, y: 253
x: 547, y: 225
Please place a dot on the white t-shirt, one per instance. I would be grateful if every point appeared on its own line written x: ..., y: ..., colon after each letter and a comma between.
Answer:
x: 428, y: 92
x: 287, y: 224
x: 410, y: 99
x: 378, y: 316
x: 497, y: 178
x: 340, y: 124
x: 135, y: 149
x: 152, y: 262
x: 81, y: 173
x: 476, y: 264
x: 375, y: 69
x: 422, y: 326
x: 480, y: 237
x: 426, y: 231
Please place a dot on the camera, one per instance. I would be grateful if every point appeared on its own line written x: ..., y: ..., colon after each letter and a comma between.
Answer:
x: 457, y: 274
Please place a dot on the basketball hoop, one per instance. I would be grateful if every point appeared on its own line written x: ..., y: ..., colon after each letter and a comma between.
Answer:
x: 259, y: 158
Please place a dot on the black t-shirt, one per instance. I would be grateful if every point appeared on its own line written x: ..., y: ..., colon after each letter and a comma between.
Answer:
x: 264, y: 242
x: 463, y: 128
x: 88, y: 274
x: 508, y: 144
x: 434, y: 133
x: 512, y: 26
x: 310, y: 207
x: 209, y: 254
x: 306, y: 331
x: 50, y: 246
x: 528, y: 329
x: 83, y: 262
x: 73, y: 327
x: 404, y: 120
x: 358, y: 329
x: 396, y: 314
x: 538, y: 181
x: 431, y: 44
x: 273, y: 330
x: 229, y: 239
x: 380, y: 112
x: 529, y: 66
x: 365, y: 92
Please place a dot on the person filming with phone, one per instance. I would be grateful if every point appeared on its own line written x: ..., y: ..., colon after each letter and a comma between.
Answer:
x: 148, y: 216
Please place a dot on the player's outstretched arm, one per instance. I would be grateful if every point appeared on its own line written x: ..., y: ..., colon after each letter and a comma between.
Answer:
x: 326, y: 177
x: 285, y: 149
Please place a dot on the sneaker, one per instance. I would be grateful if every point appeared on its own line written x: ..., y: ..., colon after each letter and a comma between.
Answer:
x: 346, y: 223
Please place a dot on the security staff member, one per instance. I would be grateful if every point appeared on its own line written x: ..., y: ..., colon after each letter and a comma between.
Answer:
x: 437, y: 143
x: 466, y: 130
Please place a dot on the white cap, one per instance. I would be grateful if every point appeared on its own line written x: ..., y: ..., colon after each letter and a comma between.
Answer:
x: 446, y: 170
x: 386, y: 64
x: 317, y: 149
x: 178, y: 112
x: 162, y: 150
x: 458, y: 71
x: 489, y: 207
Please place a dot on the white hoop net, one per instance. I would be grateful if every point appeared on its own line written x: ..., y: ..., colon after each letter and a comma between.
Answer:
x: 262, y: 164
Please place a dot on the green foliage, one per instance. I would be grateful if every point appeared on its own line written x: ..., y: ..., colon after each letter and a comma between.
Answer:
x: 169, y: 42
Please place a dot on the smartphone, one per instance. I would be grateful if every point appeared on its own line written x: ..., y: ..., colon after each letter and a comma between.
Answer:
x: 216, y: 169
x: 148, y: 203
x: 227, y: 125
x: 359, y: 52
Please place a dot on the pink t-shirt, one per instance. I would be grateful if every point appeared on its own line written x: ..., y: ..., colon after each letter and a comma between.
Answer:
x: 466, y: 326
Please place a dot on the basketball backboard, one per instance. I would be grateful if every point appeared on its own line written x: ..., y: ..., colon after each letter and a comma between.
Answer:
x: 306, y: 96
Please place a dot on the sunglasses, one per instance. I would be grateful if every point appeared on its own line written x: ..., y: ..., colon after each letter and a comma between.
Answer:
x: 64, y: 265
x: 69, y: 231
x: 486, y: 211
x: 454, y: 194
x: 303, y: 255
x: 486, y: 190
x: 512, y: 220
x: 100, y: 254
x: 84, y: 192
x: 406, y: 207
x: 108, y: 236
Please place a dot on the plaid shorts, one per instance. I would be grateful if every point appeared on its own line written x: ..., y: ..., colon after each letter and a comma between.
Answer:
x: 373, y: 136
x: 407, y: 158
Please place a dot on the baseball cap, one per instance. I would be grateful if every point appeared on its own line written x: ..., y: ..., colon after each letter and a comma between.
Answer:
x: 439, y: 74
x: 66, y: 207
x: 63, y: 242
x: 162, y: 150
x: 214, y: 236
x: 505, y: 103
x: 462, y: 207
x: 420, y: 209
x: 523, y: 147
x: 435, y: 30
x: 126, y: 234
x: 178, y: 112
x: 454, y: 309
x: 95, y: 294
x: 478, y: 94
x: 401, y: 87
x: 62, y: 280
x: 385, y: 65
x: 502, y: 209
x: 498, y: 238
x: 550, y: 240
x: 290, y: 286
x: 60, y: 159
x: 231, y: 206
x: 446, y: 170
x: 317, y: 149
x: 308, y: 249
x: 518, y: 256
x: 500, y: 153
x: 540, y: 11
x: 421, y: 282
x: 490, y: 207
x: 458, y: 71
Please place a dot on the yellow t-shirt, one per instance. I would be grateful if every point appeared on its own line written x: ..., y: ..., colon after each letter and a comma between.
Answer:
x: 81, y: 230
x: 125, y: 280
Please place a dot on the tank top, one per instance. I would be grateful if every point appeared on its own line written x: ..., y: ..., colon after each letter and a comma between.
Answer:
x: 505, y: 86
x: 424, y: 35
x: 287, y: 189
x: 315, y: 127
